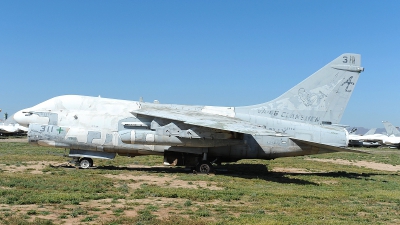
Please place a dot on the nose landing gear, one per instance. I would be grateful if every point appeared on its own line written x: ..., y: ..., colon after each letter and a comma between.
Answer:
x: 83, y: 163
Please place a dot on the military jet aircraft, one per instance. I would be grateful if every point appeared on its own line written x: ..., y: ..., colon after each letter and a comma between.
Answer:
x: 302, y: 121
x: 375, y: 140
x: 9, y: 127
x: 393, y: 139
x: 356, y: 140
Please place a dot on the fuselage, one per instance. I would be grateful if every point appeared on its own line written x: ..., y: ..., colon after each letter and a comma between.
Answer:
x: 96, y: 124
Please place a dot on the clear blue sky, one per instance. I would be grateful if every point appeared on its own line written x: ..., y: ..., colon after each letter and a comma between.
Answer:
x: 226, y: 53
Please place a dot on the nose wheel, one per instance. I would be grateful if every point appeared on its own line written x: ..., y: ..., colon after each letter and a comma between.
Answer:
x: 85, y: 163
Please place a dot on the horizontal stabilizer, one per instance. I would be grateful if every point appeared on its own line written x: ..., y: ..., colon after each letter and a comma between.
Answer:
x: 324, y: 148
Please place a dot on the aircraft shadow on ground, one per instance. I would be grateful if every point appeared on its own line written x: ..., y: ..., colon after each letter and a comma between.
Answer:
x: 254, y: 171
x: 248, y: 171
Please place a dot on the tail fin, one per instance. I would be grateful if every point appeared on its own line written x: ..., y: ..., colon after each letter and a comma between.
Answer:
x: 390, y: 129
x: 371, y: 131
x: 319, y: 99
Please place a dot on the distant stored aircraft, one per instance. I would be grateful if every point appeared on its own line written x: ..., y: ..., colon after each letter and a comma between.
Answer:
x: 302, y: 121
x: 376, y: 140
x: 10, y: 128
x: 393, y: 139
x: 373, y: 140
x: 356, y: 140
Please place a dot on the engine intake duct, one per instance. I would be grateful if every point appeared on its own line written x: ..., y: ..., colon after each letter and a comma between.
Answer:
x: 150, y: 137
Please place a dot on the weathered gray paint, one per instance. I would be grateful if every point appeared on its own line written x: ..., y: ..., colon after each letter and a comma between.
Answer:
x: 299, y: 122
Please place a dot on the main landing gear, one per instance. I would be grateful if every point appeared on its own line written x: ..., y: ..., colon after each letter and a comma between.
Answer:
x: 204, y: 166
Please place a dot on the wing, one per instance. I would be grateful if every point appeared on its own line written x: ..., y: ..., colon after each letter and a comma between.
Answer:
x: 203, y: 119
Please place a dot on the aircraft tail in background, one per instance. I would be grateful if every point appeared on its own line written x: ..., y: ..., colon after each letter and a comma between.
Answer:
x: 390, y: 129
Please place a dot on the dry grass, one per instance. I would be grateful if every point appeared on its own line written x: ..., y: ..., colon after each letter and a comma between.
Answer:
x: 38, y: 187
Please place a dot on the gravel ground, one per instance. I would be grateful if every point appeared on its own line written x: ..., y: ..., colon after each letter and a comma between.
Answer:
x: 24, y: 139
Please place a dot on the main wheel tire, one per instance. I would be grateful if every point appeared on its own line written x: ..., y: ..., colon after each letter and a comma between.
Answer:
x: 204, y: 167
x: 85, y: 163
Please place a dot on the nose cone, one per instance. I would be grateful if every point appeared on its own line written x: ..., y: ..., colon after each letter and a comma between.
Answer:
x: 22, y: 117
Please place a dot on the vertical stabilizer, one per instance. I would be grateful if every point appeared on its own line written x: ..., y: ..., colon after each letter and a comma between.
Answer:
x: 390, y: 129
x: 371, y: 131
x: 319, y: 99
